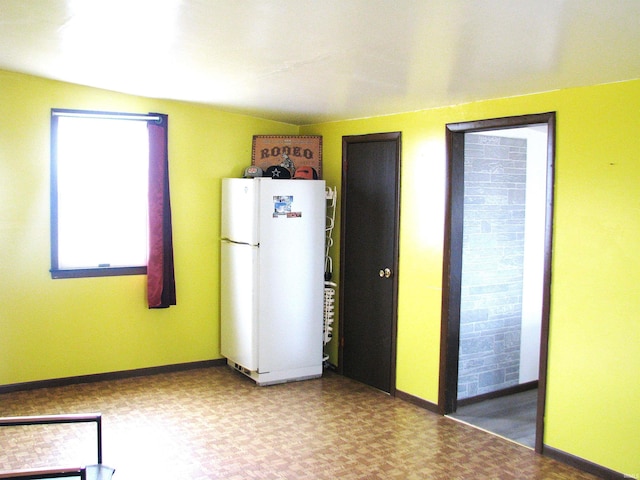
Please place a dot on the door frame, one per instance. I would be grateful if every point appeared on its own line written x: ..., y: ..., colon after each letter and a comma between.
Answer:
x: 452, y: 258
x: 367, y: 138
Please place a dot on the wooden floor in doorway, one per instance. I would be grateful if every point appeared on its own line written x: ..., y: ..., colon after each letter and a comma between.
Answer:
x: 510, y: 416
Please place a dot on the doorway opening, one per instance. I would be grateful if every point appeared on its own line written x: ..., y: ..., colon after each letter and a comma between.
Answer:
x: 497, y: 274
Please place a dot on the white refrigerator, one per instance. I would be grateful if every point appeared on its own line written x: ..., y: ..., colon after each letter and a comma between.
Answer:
x: 272, y: 277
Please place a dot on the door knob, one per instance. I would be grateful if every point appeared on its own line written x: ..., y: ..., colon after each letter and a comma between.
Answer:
x: 386, y: 273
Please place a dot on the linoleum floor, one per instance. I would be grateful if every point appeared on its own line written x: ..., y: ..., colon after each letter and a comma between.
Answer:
x: 214, y: 423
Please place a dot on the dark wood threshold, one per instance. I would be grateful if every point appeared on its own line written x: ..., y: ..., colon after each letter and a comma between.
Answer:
x: 420, y: 402
x: 523, y: 387
x: 99, y: 377
x: 584, y: 465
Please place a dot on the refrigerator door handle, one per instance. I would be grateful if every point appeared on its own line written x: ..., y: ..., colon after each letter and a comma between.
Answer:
x: 240, y: 243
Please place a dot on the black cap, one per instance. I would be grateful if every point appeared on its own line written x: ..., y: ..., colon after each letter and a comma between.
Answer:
x: 277, y: 172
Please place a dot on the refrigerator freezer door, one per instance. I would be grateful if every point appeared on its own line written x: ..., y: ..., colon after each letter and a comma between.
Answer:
x: 239, y: 303
x: 292, y: 221
x: 239, y: 210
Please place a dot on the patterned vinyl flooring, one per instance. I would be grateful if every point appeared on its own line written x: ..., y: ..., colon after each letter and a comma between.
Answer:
x: 214, y: 423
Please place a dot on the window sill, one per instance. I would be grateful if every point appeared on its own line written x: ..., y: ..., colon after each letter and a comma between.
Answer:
x: 97, y: 272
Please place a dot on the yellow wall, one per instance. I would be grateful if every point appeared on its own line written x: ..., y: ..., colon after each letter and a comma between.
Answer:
x: 594, y: 358
x: 59, y: 328
x: 69, y: 327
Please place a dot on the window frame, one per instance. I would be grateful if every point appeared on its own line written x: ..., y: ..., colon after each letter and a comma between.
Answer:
x: 106, y: 271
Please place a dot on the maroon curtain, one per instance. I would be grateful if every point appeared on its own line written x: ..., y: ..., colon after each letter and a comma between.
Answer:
x: 161, y: 286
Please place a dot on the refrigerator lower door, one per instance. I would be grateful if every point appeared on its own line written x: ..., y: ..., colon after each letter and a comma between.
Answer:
x: 239, y: 303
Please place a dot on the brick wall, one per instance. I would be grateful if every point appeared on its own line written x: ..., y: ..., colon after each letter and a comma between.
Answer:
x: 493, y: 251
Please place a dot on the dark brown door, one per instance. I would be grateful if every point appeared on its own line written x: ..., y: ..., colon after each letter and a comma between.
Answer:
x: 369, y: 258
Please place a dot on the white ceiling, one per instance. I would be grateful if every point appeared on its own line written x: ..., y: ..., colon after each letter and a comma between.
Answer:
x: 309, y: 61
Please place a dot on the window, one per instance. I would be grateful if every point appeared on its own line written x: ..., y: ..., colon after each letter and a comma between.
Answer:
x: 99, y: 201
